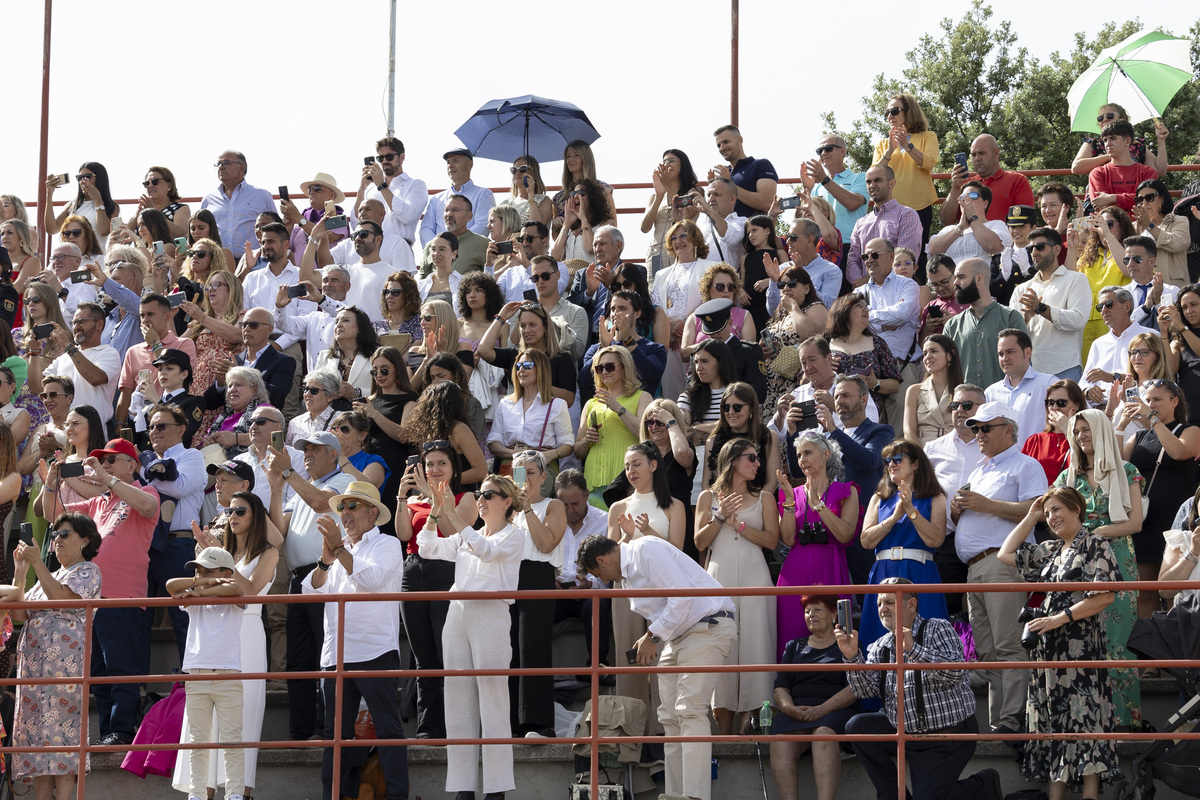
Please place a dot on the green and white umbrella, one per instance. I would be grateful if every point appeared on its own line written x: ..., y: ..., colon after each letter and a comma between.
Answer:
x: 1141, y: 73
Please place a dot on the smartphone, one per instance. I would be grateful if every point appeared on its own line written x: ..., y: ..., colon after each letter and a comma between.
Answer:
x: 966, y: 487
x: 126, y: 433
x: 845, y: 615
x: 961, y: 160
x: 1131, y: 395
x: 175, y: 298
x: 27, y: 533
x: 330, y: 207
x: 503, y: 248
x: 1088, y: 208
x: 368, y: 160
x: 64, y: 179
x: 519, y: 476
x: 593, y: 421
x: 70, y: 469
x: 333, y: 223
x: 655, y: 264
x: 277, y: 440
x: 683, y: 201
x: 630, y: 654
x: 181, y: 245
x: 936, y: 312
x: 43, y: 331
x: 283, y: 194
x: 143, y: 376
x: 358, y: 393
x: 297, y: 290
x: 530, y: 295
x: 412, y: 461
x: 81, y: 276
x: 790, y: 202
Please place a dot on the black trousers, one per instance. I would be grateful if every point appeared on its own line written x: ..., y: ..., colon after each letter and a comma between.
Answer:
x: 423, y: 623
x: 382, y: 696
x: 580, y: 608
x: 305, y: 633
x: 934, y: 765
x: 531, y: 697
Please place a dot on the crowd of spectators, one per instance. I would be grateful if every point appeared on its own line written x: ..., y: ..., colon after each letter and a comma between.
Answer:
x: 865, y: 398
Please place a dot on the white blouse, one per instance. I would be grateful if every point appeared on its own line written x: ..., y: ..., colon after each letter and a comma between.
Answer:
x: 513, y: 423
x: 481, y: 563
x: 531, y: 552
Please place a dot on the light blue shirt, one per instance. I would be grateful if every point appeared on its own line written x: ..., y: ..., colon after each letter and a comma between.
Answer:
x: 827, y: 281
x: 482, y: 201
x: 855, y: 183
x: 1010, y: 477
x: 188, y: 488
x: 894, y: 313
x: 236, y: 214
x: 1027, y: 398
x: 122, y: 333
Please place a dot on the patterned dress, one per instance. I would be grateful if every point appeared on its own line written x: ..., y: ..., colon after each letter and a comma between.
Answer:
x: 209, y: 347
x: 52, y: 647
x: 1122, y: 613
x: 879, y: 360
x: 784, y: 334
x: 37, y: 413
x: 1066, y: 699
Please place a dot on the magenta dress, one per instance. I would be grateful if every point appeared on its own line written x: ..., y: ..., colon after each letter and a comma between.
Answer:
x: 811, y: 564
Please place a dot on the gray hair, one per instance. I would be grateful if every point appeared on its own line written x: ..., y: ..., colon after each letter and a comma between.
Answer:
x: 530, y: 457
x: 613, y: 232
x: 1122, y: 295
x: 252, y: 378
x: 338, y: 268
x: 970, y: 387
x: 72, y: 250
x: 857, y: 380
x: 271, y: 411
x: 808, y: 228
x: 727, y: 183
x: 833, y: 467
x: 1015, y: 428
x: 325, y: 379
x: 130, y: 255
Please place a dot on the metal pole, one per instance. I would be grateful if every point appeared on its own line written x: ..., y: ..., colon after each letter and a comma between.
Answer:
x: 733, y: 63
x: 391, y: 106
x: 43, y: 154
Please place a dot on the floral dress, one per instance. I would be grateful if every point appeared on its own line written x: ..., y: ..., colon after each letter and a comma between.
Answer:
x: 209, y: 347
x: 37, y: 413
x: 879, y: 360
x: 52, y: 647
x: 1066, y: 699
x: 784, y: 334
x: 1121, y: 613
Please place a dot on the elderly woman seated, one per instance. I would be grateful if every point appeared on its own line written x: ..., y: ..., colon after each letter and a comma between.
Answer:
x: 245, y: 391
x: 321, y: 386
x: 812, y: 702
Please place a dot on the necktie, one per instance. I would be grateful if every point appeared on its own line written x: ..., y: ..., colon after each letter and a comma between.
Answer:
x: 1143, y: 293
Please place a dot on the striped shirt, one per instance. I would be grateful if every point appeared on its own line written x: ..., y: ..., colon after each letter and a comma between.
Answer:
x: 892, y: 221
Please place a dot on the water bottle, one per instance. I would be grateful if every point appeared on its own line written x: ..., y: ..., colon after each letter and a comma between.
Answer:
x: 765, y: 716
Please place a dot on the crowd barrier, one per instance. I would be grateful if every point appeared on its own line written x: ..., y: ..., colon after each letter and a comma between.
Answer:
x: 594, y: 740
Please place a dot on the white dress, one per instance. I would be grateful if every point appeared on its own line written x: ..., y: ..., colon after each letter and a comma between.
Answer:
x: 254, y: 698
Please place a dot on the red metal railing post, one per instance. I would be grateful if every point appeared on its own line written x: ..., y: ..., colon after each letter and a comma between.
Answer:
x: 594, y: 674
x: 89, y: 616
x: 338, y: 665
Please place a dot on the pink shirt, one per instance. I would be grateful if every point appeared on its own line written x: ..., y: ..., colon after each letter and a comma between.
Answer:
x: 125, y: 536
x: 139, y: 357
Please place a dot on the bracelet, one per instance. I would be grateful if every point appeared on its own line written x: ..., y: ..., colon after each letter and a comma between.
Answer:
x: 789, y: 506
x: 741, y: 527
x: 1192, y: 557
x: 1070, y: 616
x: 72, y: 350
x: 321, y: 565
x: 434, y: 518
x: 340, y: 548
x: 719, y: 518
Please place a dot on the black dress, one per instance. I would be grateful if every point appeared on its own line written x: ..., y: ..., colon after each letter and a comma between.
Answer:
x: 813, y: 688
x: 393, y: 453
x: 1188, y: 378
x: 755, y: 272
x: 1174, y: 483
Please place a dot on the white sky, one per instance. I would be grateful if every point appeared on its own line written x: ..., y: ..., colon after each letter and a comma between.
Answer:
x: 299, y: 86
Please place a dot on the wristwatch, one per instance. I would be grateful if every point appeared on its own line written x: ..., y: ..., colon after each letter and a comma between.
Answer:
x: 287, y: 473
x: 912, y: 515
x: 1042, y: 308
x: 671, y: 423
x: 655, y: 639
x: 971, y: 219
x: 825, y: 180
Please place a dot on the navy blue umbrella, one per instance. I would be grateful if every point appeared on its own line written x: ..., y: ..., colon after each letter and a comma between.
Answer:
x: 537, y: 126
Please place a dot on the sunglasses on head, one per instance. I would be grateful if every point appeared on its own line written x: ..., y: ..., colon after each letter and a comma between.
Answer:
x: 440, y: 444
x: 965, y: 405
x: 609, y: 366
x: 1059, y: 403
x: 893, y: 459
x: 151, y: 182
x: 486, y: 494
x: 1132, y: 259
x: 239, y: 511
x: 735, y: 408
x: 351, y: 505
x: 986, y: 428
x: 1105, y: 304
x: 377, y: 371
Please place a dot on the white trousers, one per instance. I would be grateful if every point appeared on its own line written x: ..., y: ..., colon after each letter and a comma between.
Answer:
x: 225, y: 698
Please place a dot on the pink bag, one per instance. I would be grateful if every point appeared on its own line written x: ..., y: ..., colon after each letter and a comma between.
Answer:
x: 163, y: 724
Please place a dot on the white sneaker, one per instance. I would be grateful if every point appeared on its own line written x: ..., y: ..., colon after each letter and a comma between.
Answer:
x: 233, y: 797
x: 536, y: 735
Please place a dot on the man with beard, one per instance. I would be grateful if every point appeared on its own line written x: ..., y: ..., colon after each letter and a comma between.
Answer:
x: 1056, y: 303
x: 403, y: 197
x: 366, y: 277
x: 887, y: 220
x: 977, y: 329
x: 943, y: 307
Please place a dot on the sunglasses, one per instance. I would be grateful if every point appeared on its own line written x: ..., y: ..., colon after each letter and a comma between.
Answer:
x: 152, y: 182
x: 384, y: 371
x: 973, y: 195
x: 735, y: 408
x: 1133, y: 259
x: 893, y: 111
x: 259, y: 421
x: 896, y: 459
x: 985, y: 428
x: 1040, y: 246
x: 1147, y: 198
x: 751, y: 457
x: 351, y: 505
x: 828, y: 148
x: 343, y: 429
x: 791, y: 238
x: 610, y: 366
x: 254, y: 325
x: 440, y: 444
x: 362, y: 235
x: 1155, y: 383
x: 1059, y: 403
x: 159, y: 427
x: 486, y: 494
x: 965, y: 405
x: 792, y: 284
x: 61, y: 533
x: 1105, y: 304
x: 84, y: 176
x: 525, y: 239
x: 519, y: 170
x: 1103, y: 118
x: 108, y: 460
x: 392, y: 292
x: 428, y: 318
x: 723, y: 287
x: 225, y: 163
x: 203, y: 254
x: 239, y: 511
x: 538, y: 277
x: 387, y: 157
x: 72, y: 233
x: 52, y: 395
x: 307, y: 390
x: 32, y: 300
x: 315, y: 189
x: 524, y: 365
x: 871, y: 256
x: 653, y: 423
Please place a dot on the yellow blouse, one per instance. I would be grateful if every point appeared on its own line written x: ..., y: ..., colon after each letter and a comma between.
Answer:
x: 914, y: 185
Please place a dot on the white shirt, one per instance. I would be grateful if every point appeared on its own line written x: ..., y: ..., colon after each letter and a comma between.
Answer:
x: 967, y: 246
x: 1010, y: 477
x: 806, y: 391
x: 260, y: 288
x: 315, y: 328
x: 426, y: 284
x: 262, y: 487
x: 652, y: 563
x: 895, y: 302
x: 1058, y: 341
x: 531, y: 551
x: 372, y: 627
x: 98, y: 397
x: 595, y: 523
x: 410, y: 196
x: 482, y: 201
x: 1111, y: 354
x: 513, y: 423
x: 676, y: 289
x: 187, y: 488
x: 214, y: 637
x: 1027, y: 398
x: 953, y: 460
x: 481, y: 563
x: 515, y: 281
x: 76, y: 293
x: 727, y: 248
x: 366, y: 287
x: 303, y: 542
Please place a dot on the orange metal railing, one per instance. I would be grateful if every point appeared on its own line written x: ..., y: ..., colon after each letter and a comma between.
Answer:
x: 594, y: 740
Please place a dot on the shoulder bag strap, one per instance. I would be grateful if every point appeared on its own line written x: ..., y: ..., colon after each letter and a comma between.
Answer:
x: 545, y: 422
x: 1158, y: 461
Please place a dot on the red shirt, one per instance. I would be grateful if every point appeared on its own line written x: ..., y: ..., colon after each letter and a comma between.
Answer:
x: 1050, y: 450
x: 420, y: 515
x: 1121, y: 181
x: 1008, y: 189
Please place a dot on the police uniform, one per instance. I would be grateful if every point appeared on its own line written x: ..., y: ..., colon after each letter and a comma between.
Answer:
x: 1016, y: 261
x: 748, y: 361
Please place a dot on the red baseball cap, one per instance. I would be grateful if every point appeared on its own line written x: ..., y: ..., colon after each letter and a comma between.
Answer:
x: 116, y: 447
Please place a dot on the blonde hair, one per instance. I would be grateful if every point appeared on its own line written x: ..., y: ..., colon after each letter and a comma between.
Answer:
x: 535, y: 172
x: 1162, y: 366
x: 824, y: 206
x: 508, y: 489
x: 510, y: 218
x: 633, y: 383
x: 233, y: 309
x: 216, y: 262
x: 706, y: 280
x: 541, y: 366
x: 671, y: 407
x: 445, y: 319
x: 587, y: 164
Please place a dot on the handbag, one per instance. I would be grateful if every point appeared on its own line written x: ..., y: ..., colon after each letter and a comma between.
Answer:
x: 787, y: 361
